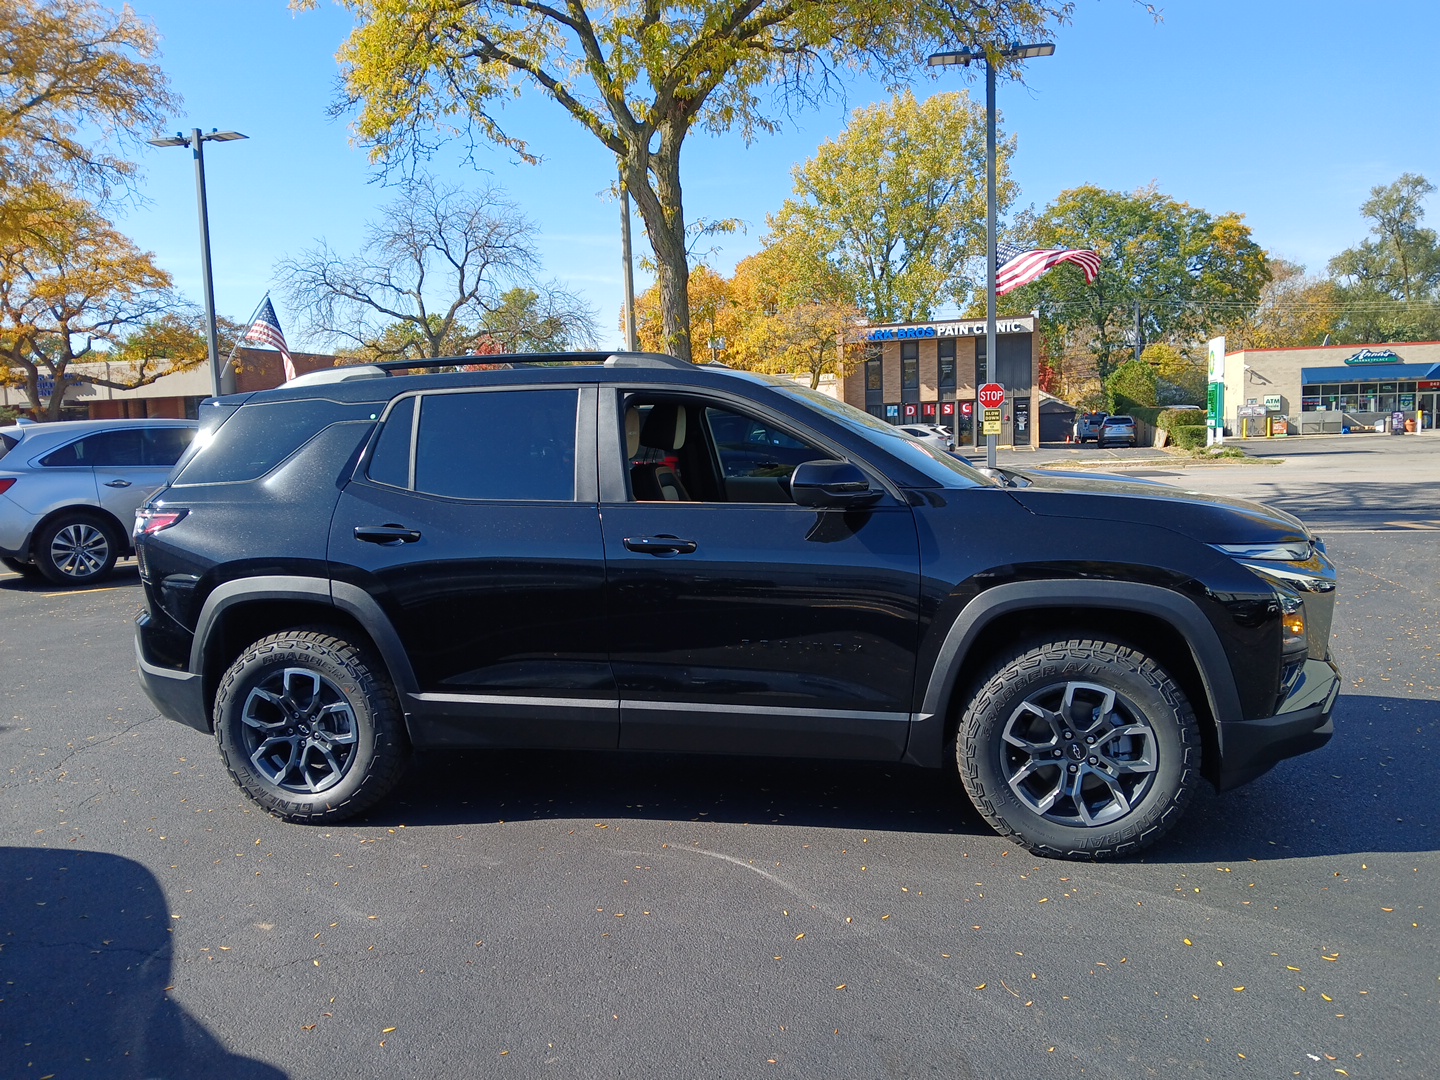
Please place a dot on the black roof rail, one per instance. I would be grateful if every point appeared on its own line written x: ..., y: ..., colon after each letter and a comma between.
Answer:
x: 609, y: 359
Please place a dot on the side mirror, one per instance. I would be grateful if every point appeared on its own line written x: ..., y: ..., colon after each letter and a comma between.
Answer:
x: 832, y: 485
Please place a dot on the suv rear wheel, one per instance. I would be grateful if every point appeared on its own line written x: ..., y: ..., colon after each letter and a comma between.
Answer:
x: 77, y: 549
x: 310, y: 727
x: 1079, y: 749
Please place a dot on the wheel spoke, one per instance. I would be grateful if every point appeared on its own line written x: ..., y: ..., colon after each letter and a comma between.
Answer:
x: 300, y: 731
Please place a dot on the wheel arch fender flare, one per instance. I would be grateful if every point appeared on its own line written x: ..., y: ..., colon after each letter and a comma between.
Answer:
x: 929, y: 729
x: 348, y: 599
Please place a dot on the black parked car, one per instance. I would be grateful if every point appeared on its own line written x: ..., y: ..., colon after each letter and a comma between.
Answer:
x: 606, y: 554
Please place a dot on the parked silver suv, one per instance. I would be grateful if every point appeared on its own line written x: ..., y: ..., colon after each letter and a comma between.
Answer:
x: 69, y: 491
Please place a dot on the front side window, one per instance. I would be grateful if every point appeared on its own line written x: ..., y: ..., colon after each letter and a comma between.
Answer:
x: 513, y: 445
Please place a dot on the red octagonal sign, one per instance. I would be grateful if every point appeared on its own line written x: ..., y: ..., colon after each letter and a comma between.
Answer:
x: 992, y: 396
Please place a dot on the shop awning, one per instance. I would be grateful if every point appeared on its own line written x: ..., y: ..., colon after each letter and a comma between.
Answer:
x: 1368, y: 373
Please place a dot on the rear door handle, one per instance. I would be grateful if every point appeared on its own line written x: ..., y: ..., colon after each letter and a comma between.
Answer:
x: 386, y: 534
x: 117, y: 483
x: 660, y: 545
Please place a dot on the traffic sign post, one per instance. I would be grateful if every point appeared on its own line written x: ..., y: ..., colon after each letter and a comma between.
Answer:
x: 992, y: 398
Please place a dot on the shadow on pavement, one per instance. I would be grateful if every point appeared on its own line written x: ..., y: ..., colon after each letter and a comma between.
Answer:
x: 85, y: 962
x: 1362, y: 792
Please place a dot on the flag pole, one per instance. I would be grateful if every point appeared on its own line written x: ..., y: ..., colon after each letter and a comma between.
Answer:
x: 229, y: 360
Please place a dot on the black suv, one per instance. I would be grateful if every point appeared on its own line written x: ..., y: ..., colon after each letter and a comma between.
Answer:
x: 590, y: 552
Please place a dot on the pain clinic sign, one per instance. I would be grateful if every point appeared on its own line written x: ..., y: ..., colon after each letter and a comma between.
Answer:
x: 946, y: 330
x: 1216, y: 349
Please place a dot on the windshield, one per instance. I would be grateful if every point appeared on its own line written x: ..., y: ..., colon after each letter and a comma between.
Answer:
x: 929, y: 458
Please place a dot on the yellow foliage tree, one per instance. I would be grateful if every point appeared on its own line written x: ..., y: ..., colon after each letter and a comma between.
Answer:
x: 76, y: 84
x: 639, y: 76
x: 70, y: 281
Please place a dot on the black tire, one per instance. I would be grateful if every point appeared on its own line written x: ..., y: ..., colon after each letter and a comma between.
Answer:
x: 1079, y: 749
x: 77, y: 549
x: 310, y: 727
x: 27, y: 570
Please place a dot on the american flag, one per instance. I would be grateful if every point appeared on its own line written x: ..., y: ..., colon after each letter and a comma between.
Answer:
x: 266, y: 331
x: 1020, y: 266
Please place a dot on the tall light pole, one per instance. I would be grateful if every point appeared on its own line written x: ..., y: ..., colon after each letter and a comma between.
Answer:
x: 964, y: 57
x: 196, y: 140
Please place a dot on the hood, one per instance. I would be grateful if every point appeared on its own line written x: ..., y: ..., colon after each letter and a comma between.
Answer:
x: 1210, y: 519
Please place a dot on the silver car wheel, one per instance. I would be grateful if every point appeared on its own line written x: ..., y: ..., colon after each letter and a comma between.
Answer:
x: 80, y: 550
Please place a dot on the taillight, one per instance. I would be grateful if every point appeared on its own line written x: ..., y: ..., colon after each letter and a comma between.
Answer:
x: 148, y: 522
x: 6, y: 483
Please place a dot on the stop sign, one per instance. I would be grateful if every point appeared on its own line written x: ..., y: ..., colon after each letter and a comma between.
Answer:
x: 992, y: 396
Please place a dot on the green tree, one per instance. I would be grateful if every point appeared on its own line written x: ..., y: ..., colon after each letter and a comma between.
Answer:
x: 1185, y: 270
x: 639, y: 77
x: 1389, y: 285
x: 1131, y: 386
x: 897, y: 203
x: 528, y: 320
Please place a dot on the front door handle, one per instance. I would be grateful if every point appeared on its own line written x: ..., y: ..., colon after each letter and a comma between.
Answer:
x: 660, y: 545
x: 117, y: 483
x: 386, y: 534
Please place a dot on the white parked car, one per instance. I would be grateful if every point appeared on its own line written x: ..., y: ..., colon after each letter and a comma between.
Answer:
x: 937, y: 434
x: 69, y: 491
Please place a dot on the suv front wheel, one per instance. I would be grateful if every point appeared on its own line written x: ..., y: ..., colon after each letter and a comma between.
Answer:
x: 1079, y: 749
x: 310, y: 727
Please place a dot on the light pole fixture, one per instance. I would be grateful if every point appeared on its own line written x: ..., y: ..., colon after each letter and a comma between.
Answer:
x: 964, y: 57
x: 196, y: 140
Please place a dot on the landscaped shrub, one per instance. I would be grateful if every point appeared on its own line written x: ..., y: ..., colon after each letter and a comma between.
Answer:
x: 1189, y: 437
x: 1170, y: 419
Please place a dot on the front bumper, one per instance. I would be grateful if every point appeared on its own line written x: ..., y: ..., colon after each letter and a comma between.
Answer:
x: 1249, y: 748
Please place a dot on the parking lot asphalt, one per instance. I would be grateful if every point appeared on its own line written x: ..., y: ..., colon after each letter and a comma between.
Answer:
x: 629, y: 916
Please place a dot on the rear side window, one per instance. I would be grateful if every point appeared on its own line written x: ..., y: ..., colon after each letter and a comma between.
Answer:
x: 7, y: 443
x: 103, y: 448
x: 390, y: 463
x: 515, y: 445
x: 257, y: 438
x: 163, y: 446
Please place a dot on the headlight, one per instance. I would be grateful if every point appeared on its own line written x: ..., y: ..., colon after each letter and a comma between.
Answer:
x: 1297, y: 551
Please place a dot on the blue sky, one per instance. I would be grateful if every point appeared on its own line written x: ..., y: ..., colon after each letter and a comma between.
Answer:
x: 1287, y: 111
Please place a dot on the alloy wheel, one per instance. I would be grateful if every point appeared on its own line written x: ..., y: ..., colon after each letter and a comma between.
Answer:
x: 1078, y: 754
x: 300, y: 731
x: 80, y: 550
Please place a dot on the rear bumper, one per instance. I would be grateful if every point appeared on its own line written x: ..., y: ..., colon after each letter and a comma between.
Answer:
x: 178, y: 695
x: 1250, y: 748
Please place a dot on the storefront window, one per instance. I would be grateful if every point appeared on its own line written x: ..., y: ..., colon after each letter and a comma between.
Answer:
x: 947, y: 364
x: 909, y: 365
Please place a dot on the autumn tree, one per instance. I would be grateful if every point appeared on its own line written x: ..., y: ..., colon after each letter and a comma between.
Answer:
x: 711, y: 314
x: 639, y: 77
x: 71, y: 285
x: 436, y: 267
x: 78, y: 85
x: 897, y: 203
x: 791, y: 310
x: 1185, y: 271
x: 1294, y: 309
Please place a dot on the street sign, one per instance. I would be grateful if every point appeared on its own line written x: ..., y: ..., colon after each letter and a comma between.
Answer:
x: 992, y: 396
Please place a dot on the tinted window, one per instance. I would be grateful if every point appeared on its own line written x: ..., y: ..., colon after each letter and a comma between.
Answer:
x: 163, y: 446
x: 390, y: 463
x: 749, y: 447
x: 7, y: 443
x: 256, y: 438
x: 102, y: 448
x: 507, y: 444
